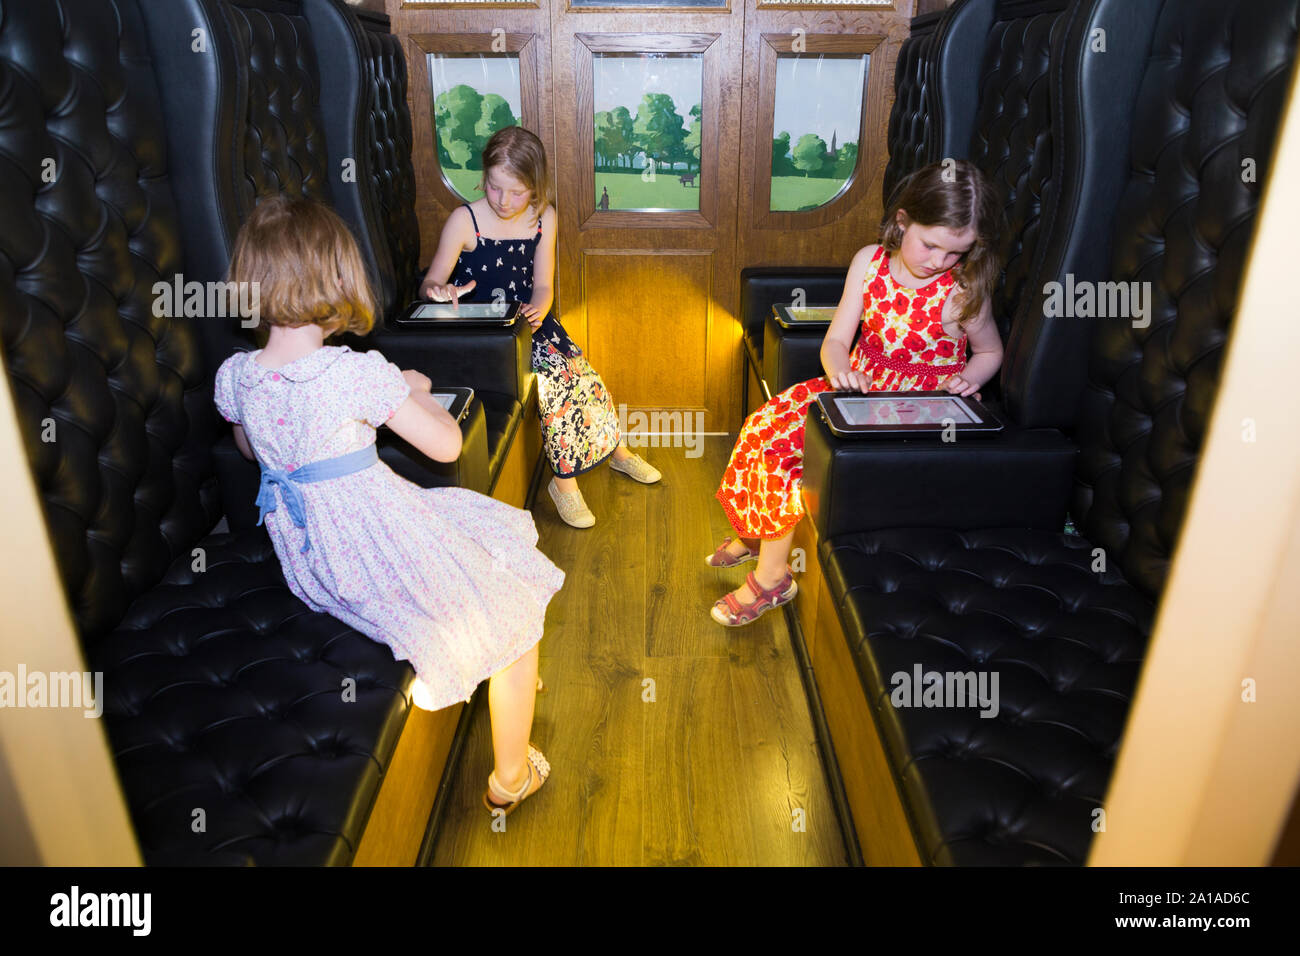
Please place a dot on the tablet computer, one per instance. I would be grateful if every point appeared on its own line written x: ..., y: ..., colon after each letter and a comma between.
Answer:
x: 456, y: 400
x: 789, y: 317
x: 905, y: 414
x: 427, y: 314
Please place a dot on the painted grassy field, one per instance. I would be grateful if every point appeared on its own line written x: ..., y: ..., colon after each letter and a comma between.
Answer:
x: 795, y: 192
x: 465, y: 181
x: 665, y: 191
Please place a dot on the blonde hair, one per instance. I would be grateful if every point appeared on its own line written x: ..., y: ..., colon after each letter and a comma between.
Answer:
x: 957, y: 195
x: 523, y: 156
x: 307, y: 267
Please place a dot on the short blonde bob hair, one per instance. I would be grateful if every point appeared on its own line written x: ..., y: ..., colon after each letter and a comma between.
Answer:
x: 307, y: 267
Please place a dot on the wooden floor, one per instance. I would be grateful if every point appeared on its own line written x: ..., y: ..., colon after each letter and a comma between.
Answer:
x: 672, y: 740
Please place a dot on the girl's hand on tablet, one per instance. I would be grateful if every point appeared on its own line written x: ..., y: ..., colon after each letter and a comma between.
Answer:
x: 417, y: 381
x: 533, y: 316
x: 960, y: 386
x: 449, y: 293
x: 850, y: 381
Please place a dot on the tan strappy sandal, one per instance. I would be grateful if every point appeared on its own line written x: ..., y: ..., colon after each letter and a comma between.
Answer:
x: 538, y: 770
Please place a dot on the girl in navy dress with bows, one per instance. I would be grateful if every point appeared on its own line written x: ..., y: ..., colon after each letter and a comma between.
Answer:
x: 502, y: 248
x: 449, y: 579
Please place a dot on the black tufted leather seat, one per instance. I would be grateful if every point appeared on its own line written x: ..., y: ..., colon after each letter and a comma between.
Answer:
x: 224, y: 693
x: 936, y: 83
x: 391, y: 141
x: 793, y: 356
x: 1062, y: 618
x: 1020, y: 786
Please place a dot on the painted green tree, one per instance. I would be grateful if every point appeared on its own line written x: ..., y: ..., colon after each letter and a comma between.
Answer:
x: 810, y: 153
x: 615, y: 144
x: 465, y: 120
x: 691, y: 145
x: 782, y: 165
x: 658, y: 129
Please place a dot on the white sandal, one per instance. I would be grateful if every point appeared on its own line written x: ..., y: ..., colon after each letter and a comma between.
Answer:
x: 536, y: 765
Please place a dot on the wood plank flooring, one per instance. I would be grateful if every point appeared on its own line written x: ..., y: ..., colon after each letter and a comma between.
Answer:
x: 672, y: 741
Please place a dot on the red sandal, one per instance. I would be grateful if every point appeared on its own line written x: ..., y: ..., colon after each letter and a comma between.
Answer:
x: 729, y: 612
x: 722, y: 558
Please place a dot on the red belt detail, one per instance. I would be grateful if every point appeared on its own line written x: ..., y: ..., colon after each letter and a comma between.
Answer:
x: 911, y: 368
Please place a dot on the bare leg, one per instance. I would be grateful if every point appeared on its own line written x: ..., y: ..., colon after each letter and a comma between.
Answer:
x: 565, y: 485
x: 621, y: 453
x: 772, y: 557
x: 511, y: 695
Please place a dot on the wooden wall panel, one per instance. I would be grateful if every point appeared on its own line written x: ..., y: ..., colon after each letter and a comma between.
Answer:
x: 651, y: 348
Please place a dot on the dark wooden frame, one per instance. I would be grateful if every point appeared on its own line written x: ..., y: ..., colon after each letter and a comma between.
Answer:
x: 523, y: 44
x: 589, y: 43
x: 873, y: 105
x: 416, y: 5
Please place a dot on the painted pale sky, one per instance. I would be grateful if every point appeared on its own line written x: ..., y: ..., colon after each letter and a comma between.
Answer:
x: 621, y: 80
x: 487, y: 73
x: 819, y: 94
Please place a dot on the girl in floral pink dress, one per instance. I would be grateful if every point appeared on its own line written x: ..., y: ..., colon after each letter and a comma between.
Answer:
x: 915, y: 301
x: 449, y: 579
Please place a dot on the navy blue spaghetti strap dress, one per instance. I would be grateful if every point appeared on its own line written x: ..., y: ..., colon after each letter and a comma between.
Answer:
x: 580, y: 425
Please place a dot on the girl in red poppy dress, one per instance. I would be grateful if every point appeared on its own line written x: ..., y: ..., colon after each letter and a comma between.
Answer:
x: 915, y: 301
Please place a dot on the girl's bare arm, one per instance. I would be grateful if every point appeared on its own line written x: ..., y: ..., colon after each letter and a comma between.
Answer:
x: 986, y: 353
x: 543, y: 272
x: 425, y: 424
x: 457, y: 234
x: 844, y: 325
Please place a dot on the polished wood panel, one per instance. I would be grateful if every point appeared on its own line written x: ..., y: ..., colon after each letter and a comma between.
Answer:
x: 831, y: 235
x: 576, y: 37
x: 673, y: 740
x: 881, y: 825
x: 398, y: 819
x: 651, y: 350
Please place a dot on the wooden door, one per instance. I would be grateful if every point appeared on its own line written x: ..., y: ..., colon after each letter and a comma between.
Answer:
x: 652, y: 297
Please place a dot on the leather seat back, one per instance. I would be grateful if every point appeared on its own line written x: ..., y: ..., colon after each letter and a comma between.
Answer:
x: 1011, y: 142
x: 111, y: 395
x: 936, y: 88
x: 1207, y: 114
x: 1101, y: 59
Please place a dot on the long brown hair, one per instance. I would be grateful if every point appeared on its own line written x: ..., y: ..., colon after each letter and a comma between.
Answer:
x: 307, y: 266
x: 523, y: 156
x: 957, y: 195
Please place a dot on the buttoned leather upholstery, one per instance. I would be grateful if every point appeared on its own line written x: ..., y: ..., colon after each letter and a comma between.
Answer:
x: 910, y: 127
x: 1064, y: 619
x: 936, y: 87
x: 223, y: 693
x: 391, y: 141
x: 762, y: 287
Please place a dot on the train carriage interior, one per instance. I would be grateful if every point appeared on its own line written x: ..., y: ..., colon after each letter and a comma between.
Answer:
x: 1061, y: 636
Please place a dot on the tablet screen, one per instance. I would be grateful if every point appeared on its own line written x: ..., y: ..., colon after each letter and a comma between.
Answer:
x: 465, y: 310
x: 445, y: 399
x: 893, y: 410
x: 812, y: 313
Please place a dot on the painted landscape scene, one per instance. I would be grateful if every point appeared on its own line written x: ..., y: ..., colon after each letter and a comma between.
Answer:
x: 647, y: 131
x: 473, y: 96
x: 818, y: 114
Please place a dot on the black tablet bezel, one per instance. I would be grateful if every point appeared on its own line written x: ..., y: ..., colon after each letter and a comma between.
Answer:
x: 781, y: 312
x: 409, y: 319
x: 986, y: 422
x: 460, y: 406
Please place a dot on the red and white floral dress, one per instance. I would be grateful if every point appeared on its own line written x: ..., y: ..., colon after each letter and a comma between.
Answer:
x: 902, y: 347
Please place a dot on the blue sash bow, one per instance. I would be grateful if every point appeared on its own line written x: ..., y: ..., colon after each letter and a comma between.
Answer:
x: 288, y: 481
